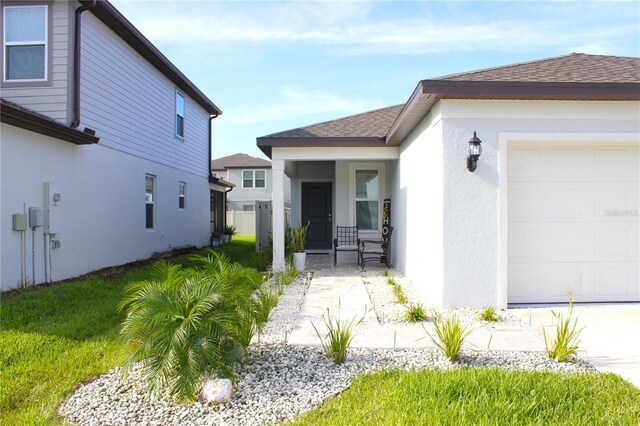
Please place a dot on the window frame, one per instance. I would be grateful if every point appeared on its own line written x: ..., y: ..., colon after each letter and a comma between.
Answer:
x: 177, y: 114
x: 151, y: 203
x: 353, y: 169
x: 46, y: 43
x: 182, y: 198
x: 254, y: 179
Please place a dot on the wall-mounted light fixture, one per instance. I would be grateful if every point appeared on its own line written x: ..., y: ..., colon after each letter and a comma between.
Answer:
x: 475, y: 149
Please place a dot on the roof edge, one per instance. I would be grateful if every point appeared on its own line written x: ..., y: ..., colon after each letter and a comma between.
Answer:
x: 37, y: 123
x: 112, y: 18
x: 509, y: 90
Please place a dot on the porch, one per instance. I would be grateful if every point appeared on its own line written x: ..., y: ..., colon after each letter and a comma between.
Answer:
x: 331, y: 187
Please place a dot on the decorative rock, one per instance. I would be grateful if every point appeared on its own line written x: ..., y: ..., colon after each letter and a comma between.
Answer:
x: 217, y: 391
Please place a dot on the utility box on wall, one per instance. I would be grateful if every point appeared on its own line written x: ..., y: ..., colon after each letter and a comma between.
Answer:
x: 52, y: 199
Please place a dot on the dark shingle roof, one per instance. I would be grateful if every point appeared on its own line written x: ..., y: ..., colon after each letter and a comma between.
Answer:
x: 374, y: 124
x: 572, y: 68
x: 239, y: 161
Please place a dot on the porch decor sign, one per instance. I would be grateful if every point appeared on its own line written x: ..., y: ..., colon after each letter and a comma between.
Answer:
x: 386, y: 224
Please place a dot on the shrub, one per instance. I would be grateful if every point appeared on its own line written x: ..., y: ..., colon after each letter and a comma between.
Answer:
x: 400, y: 296
x: 286, y: 276
x: 265, y: 300
x: 340, y: 333
x: 299, y: 237
x: 415, y: 313
x: 183, y: 323
x: 489, y: 314
x: 230, y: 230
x: 262, y: 260
x: 566, y: 341
x: 391, y: 281
x: 451, y: 335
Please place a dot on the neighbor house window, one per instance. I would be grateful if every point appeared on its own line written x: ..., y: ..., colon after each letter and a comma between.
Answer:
x: 150, y: 183
x: 214, y: 174
x: 248, y: 208
x: 367, y: 199
x: 182, y: 189
x: 253, y: 179
x: 179, y: 115
x: 25, y: 43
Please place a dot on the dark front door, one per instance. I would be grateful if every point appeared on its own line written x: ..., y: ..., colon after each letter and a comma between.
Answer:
x: 316, y: 209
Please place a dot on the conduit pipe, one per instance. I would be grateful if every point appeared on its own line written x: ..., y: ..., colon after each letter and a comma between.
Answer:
x: 76, y: 63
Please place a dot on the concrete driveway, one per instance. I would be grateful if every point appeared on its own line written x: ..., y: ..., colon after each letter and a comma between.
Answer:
x: 611, y: 337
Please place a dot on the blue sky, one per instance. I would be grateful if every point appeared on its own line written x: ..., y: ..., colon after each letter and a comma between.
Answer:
x: 273, y: 66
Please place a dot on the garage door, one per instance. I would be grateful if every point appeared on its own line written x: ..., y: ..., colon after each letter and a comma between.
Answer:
x: 573, y: 223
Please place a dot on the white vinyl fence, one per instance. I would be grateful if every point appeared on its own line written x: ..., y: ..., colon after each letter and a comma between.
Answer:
x: 245, y: 222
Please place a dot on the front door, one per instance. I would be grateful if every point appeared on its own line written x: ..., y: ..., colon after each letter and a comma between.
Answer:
x: 316, y: 210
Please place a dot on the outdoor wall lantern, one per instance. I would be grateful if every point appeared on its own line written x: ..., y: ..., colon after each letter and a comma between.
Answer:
x: 475, y: 149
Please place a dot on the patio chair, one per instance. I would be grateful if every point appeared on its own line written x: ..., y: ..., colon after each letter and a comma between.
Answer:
x: 346, y: 240
x: 378, y: 250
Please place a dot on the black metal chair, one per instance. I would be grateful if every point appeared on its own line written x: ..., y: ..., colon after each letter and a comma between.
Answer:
x: 346, y: 240
x: 378, y: 250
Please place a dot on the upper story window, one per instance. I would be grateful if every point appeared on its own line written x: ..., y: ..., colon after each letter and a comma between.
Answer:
x: 25, y: 43
x: 254, y: 179
x: 179, y: 115
x: 367, y: 199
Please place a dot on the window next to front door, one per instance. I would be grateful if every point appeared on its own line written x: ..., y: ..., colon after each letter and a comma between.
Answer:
x: 367, y: 191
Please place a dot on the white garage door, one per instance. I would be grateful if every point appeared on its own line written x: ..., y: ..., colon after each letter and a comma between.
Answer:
x: 573, y: 223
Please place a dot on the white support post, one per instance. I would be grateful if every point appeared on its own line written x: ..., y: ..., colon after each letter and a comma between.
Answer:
x: 277, y: 170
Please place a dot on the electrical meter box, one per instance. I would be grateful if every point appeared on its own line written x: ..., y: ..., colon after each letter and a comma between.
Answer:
x: 35, y: 217
x: 52, y: 200
x: 20, y: 222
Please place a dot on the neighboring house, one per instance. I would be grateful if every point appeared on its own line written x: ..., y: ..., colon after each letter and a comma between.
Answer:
x: 251, y: 177
x: 105, y: 135
x: 552, y: 205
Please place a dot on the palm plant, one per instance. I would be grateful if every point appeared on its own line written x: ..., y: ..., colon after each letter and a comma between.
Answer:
x: 183, y: 323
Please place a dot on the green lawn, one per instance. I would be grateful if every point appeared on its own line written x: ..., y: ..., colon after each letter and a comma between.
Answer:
x: 54, y: 337
x: 481, y: 397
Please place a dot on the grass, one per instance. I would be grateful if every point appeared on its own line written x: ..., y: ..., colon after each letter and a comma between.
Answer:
x: 53, y: 337
x: 415, y: 313
x: 450, y: 335
x: 489, y: 314
x: 340, y: 333
x: 566, y: 340
x: 480, y: 397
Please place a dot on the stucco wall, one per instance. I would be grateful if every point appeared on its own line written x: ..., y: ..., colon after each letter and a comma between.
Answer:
x: 102, y: 212
x: 472, y: 243
x: 417, y: 208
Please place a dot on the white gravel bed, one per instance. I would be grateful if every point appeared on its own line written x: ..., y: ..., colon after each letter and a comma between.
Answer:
x: 389, y: 311
x: 284, y: 314
x: 276, y: 384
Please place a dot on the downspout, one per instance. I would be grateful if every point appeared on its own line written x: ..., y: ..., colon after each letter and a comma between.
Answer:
x: 211, y: 118
x: 76, y: 64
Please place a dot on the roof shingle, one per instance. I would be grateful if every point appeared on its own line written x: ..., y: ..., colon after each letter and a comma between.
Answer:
x: 239, y: 160
x: 374, y: 124
x: 572, y: 68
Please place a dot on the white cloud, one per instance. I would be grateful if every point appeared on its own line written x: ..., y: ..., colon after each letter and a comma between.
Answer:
x: 352, y: 28
x: 296, y: 101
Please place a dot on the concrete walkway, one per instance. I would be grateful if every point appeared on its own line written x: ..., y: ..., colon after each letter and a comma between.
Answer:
x: 610, y: 339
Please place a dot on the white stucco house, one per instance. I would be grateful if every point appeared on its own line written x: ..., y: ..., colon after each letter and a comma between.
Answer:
x: 553, y: 203
x: 103, y: 137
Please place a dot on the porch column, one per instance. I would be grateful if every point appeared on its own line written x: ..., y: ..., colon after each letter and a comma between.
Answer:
x: 278, y: 227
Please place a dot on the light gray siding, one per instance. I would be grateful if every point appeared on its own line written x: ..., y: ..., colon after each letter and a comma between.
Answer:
x: 131, y: 105
x: 241, y: 196
x: 50, y: 98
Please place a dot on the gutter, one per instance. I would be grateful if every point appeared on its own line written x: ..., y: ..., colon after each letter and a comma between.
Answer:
x: 76, y: 63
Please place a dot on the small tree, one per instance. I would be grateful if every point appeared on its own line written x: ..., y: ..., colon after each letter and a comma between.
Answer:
x: 183, y: 323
